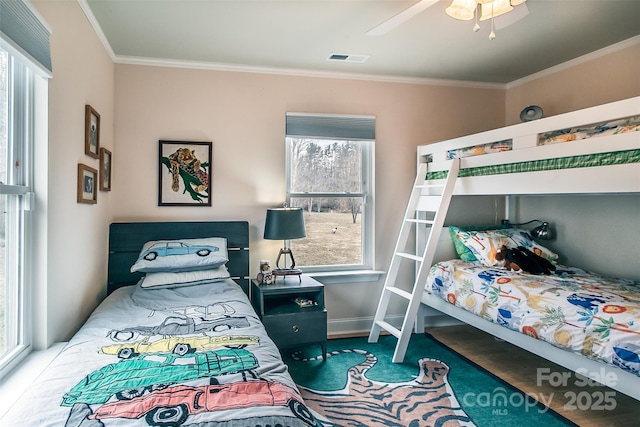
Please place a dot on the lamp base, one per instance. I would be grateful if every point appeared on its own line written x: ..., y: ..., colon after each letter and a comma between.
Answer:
x: 284, y: 272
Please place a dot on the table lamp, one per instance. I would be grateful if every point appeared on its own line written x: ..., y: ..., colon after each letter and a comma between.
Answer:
x: 285, y: 224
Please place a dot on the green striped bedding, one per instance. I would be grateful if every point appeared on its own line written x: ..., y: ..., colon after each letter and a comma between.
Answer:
x: 571, y: 162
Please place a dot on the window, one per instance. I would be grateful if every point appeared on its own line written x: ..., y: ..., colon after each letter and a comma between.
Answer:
x: 330, y: 175
x: 14, y: 167
x: 24, y: 52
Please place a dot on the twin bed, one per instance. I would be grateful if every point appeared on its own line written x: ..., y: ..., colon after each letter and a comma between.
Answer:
x: 183, y: 347
x: 579, y: 320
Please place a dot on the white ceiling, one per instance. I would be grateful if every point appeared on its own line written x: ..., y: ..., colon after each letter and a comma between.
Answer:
x: 297, y: 36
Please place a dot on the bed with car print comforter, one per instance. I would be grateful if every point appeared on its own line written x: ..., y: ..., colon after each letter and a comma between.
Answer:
x: 188, y: 356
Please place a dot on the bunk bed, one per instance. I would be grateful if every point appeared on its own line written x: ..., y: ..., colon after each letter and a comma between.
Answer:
x: 595, y: 150
x: 175, y: 342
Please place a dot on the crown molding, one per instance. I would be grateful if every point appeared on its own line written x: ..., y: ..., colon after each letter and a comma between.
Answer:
x: 153, y: 62
x: 97, y: 28
x: 576, y: 61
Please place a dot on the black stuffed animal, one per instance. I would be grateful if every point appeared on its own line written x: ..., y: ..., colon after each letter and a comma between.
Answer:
x: 521, y: 258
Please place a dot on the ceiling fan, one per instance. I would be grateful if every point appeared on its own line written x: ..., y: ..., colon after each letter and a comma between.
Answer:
x: 501, y: 21
x: 403, y: 16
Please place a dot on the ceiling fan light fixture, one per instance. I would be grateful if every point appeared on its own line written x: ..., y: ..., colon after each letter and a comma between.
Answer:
x: 495, y: 8
x: 462, y: 9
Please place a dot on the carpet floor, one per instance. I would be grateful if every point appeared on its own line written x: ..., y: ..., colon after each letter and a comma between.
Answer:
x: 359, y: 385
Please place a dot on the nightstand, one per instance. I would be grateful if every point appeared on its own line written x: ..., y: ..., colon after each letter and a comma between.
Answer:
x: 288, y: 324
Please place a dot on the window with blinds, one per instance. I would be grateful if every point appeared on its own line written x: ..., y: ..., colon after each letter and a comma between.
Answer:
x: 329, y: 172
x: 25, y: 59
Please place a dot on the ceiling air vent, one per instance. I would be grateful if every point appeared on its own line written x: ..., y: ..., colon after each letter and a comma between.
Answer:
x: 347, y: 57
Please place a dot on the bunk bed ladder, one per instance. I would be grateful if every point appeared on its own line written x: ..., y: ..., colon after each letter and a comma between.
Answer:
x: 414, y: 218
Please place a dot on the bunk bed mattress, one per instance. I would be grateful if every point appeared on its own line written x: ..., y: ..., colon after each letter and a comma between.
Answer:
x: 194, y: 355
x: 585, y: 313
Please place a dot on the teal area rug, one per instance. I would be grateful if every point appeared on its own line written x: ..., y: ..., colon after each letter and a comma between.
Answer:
x: 359, y: 385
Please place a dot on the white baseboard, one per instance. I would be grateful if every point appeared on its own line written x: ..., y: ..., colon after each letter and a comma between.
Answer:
x: 362, y: 325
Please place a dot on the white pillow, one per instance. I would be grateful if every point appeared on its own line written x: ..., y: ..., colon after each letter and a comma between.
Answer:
x: 168, y: 279
x: 181, y: 255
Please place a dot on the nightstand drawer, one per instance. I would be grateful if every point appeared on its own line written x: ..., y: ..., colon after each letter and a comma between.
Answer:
x: 291, y: 330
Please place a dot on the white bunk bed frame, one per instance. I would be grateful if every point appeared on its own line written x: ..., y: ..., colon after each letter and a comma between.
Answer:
x: 601, y: 179
x: 619, y: 178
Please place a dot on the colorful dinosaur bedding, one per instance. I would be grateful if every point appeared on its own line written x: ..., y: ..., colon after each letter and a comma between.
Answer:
x: 582, y: 312
x: 194, y: 355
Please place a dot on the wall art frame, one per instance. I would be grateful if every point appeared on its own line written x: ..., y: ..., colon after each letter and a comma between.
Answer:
x: 185, y: 170
x: 91, y: 132
x: 87, y: 184
x: 105, y: 169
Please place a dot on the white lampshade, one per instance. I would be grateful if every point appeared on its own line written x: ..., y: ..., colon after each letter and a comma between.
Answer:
x: 517, y: 2
x: 495, y: 8
x: 462, y: 9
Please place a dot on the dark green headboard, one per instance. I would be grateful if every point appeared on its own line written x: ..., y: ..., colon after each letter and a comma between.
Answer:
x: 127, y: 238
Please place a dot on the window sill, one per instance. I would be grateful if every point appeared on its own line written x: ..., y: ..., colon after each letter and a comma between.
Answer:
x: 330, y: 277
x: 17, y: 381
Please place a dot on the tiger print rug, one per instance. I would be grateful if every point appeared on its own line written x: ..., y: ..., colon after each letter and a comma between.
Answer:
x: 358, y: 385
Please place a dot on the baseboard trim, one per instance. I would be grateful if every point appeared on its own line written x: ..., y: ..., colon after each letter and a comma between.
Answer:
x: 359, y: 326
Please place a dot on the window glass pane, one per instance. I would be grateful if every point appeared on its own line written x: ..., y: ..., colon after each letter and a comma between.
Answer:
x: 325, y: 166
x: 334, y: 231
x: 6, y: 307
x: 3, y: 179
x: 4, y: 116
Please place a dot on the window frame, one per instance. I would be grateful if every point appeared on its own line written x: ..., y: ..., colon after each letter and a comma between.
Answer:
x: 21, y: 121
x: 367, y: 147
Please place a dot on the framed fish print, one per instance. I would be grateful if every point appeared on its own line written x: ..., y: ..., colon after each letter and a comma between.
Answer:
x: 105, y: 169
x: 91, y: 132
x: 184, y: 173
x: 87, y: 184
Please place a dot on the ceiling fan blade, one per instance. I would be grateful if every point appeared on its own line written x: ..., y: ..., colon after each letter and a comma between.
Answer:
x: 507, y: 19
x: 405, y: 15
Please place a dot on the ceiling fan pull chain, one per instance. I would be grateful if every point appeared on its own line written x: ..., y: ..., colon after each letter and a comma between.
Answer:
x: 492, y: 34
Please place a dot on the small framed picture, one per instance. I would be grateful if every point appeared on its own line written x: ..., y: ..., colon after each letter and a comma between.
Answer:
x: 185, y: 173
x: 87, y: 184
x: 105, y: 170
x: 91, y: 132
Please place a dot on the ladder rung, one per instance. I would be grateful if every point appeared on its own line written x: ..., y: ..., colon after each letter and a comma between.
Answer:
x: 404, y: 294
x: 389, y: 328
x: 419, y: 221
x: 409, y: 256
x: 430, y: 186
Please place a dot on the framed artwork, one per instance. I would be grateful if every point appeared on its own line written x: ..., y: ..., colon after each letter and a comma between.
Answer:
x: 87, y: 184
x: 105, y: 170
x: 91, y: 132
x: 185, y: 173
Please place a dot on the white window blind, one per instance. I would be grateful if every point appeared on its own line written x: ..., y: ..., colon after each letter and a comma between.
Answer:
x: 331, y: 126
x: 25, y: 31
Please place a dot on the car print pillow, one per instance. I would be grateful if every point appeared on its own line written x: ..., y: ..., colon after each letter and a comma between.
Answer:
x: 173, y: 279
x: 181, y: 255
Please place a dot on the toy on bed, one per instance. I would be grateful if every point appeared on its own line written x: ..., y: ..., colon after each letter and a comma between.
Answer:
x: 522, y: 259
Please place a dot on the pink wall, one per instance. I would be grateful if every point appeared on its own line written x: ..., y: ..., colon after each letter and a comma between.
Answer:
x: 76, y: 234
x: 243, y: 114
x: 604, y: 79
